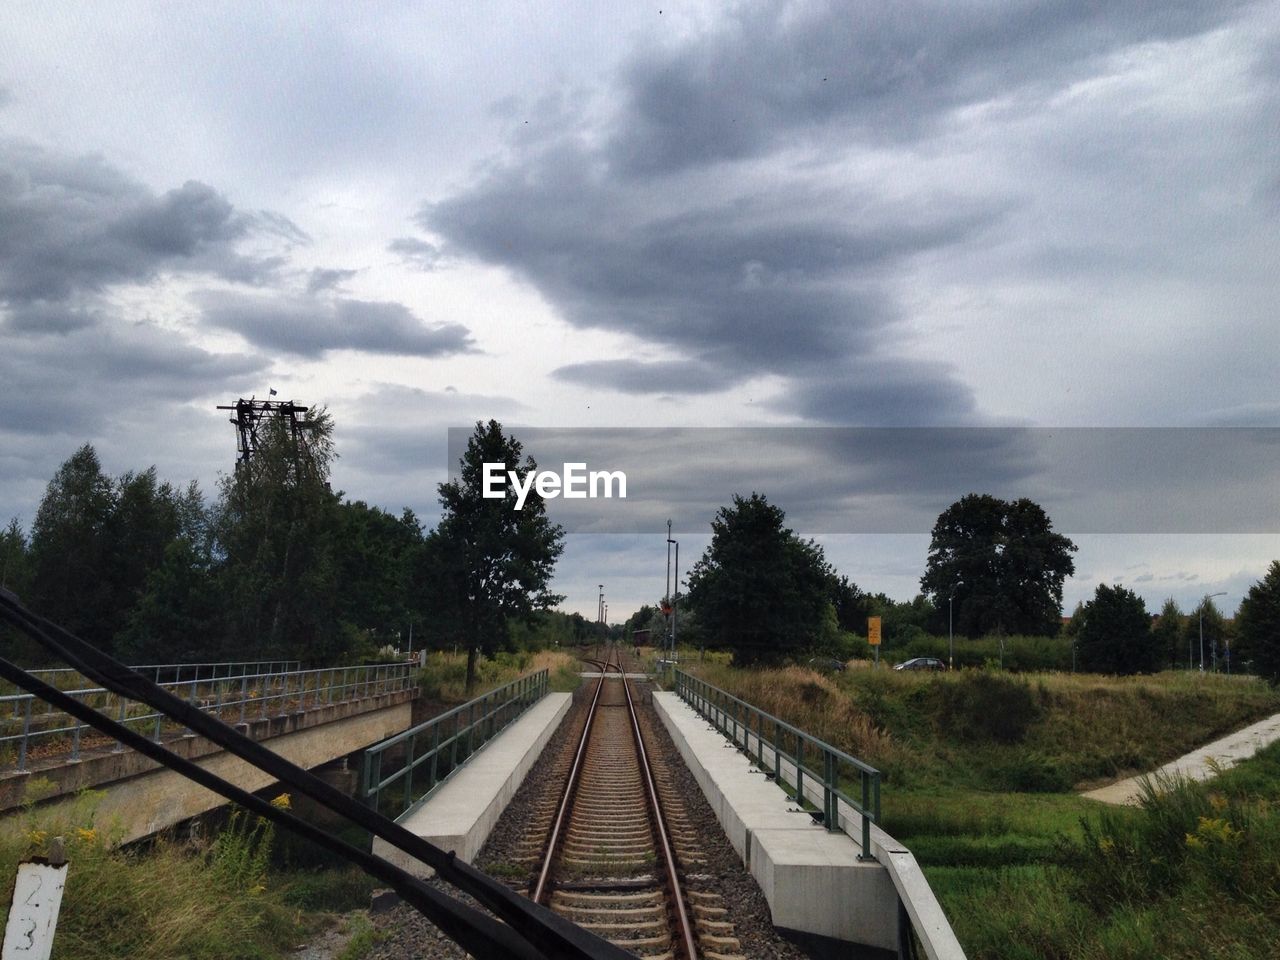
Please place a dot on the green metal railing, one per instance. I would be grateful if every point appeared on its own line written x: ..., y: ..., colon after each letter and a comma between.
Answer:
x: 430, y: 752
x: 812, y: 771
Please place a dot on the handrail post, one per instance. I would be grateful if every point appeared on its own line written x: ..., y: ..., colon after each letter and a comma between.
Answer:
x: 866, y: 819
x: 26, y: 732
x: 830, y: 810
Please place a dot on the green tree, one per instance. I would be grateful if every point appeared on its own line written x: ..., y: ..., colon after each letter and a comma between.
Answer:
x: 1167, y: 634
x: 490, y: 562
x: 178, y: 618
x: 274, y: 532
x: 69, y: 550
x: 1005, y: 564
x: 1205, y: 614
x: 15, y: 575
x: 376, y: 554
x: 852, y: 606
x: 1258, y: 625
x: 1116, y: 634
x: 759, y: 589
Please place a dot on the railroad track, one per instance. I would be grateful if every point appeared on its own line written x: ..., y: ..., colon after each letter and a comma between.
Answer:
x: 617, y: 855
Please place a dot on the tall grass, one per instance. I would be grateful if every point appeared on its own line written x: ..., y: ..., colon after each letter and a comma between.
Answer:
x: 1001, y: 732
x: 164, y: 901
x: 444, y: 678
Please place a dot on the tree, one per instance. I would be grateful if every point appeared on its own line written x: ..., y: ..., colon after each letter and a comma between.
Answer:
x: 1116, y: 634
x: 178, y: 618
x: 1258, y: 624
x: 1167, y: 634
x: 15, y: 575
x: 1005, y: 564
x: 1204, y: 616
x: 274, y: 532
x: 852, y: 606
x: 759, y: 589
x: 69, y: 550
x: 491, y: 562
x: 376, y: 553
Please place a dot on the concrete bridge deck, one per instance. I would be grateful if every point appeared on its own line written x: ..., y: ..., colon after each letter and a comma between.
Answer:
x: 307, y: 717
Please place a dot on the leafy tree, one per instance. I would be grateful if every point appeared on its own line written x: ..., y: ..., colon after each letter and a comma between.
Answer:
x: 1075, y: 622
x: 1116, y: 634
x: 759, y: 589
x: 491, y: 563
x: 1206, y: 612
x: 15, y: 575
x: 69, y: 550
x: 274, y: 532
x: 179, y: 615
x: 1167, y: 634
x: 1258, y: 624
x: 1005, y: 563
x: 852, y: 606
x: 376, y: 553
x: 901, y: 622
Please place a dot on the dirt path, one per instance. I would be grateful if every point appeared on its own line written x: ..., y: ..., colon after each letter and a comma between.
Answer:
x: 1195, y: 765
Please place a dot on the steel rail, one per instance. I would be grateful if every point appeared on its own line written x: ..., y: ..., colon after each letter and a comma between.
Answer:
x: 566, y: 801
x: 674, y: 889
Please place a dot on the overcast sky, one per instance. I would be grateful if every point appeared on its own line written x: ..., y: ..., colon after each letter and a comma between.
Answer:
x: 561, y: 215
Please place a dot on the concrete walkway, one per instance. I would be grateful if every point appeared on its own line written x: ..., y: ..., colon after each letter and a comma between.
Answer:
x: 1195, y: 765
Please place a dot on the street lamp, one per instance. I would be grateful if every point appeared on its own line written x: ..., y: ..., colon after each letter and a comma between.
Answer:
x: 951, y: 637
x: 675, y: 600
x: 1206, y: 599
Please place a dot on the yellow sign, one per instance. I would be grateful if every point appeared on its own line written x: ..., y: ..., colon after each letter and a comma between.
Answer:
x: 873, y: 631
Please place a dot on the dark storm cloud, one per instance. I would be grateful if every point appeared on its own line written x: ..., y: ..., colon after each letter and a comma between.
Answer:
x: 76, y: 226
x: 894, y: 480
x: 753, y: 284
x: 636, y: 376
x: 42, y: 317
x: 311, y: 327
x: 772, y: 72
x: 76, y: 383
x: 415, y: 252
x: 887, y: 392
x: 320, y: 280
x: 735, y: 196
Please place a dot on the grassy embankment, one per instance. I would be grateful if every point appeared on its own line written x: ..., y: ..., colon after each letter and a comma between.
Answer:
x: 980, y: 772
x: 443, y: 680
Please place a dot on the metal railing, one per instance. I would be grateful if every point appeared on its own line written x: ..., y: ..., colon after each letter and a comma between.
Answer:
x: 65, y: 678
x: 443, y: 743
x: 790, y: 757
x: 234, y: 699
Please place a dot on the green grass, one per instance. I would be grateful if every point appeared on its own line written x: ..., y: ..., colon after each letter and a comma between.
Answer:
x: 166, y: 900
x: 992, y: 731
x: 363, y: 939
x: 980, y: 770
x: 443, y: 679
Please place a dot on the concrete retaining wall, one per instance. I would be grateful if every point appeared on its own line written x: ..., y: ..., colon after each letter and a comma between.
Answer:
x: 145, y: 803
x: 813, y: 879
x: 460, y: 814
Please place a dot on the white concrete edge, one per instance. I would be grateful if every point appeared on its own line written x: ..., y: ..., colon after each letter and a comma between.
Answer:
x: 484, y: 813
x: 928, y: 919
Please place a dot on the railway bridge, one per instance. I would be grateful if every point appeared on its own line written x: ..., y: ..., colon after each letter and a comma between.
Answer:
x: 309, y: 717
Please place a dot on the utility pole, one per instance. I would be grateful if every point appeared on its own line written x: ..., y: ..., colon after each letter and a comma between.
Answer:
x: 1203, y: 604
x: 674, y: 601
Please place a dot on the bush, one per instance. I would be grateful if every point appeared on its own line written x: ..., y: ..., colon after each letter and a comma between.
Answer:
x: 986, y: 706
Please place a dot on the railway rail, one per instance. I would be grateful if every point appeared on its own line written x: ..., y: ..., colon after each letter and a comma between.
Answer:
x: 615, y: 852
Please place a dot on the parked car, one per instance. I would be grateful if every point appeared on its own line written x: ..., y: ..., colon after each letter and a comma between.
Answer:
x: 827, y: 663
x: 921, y: 663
